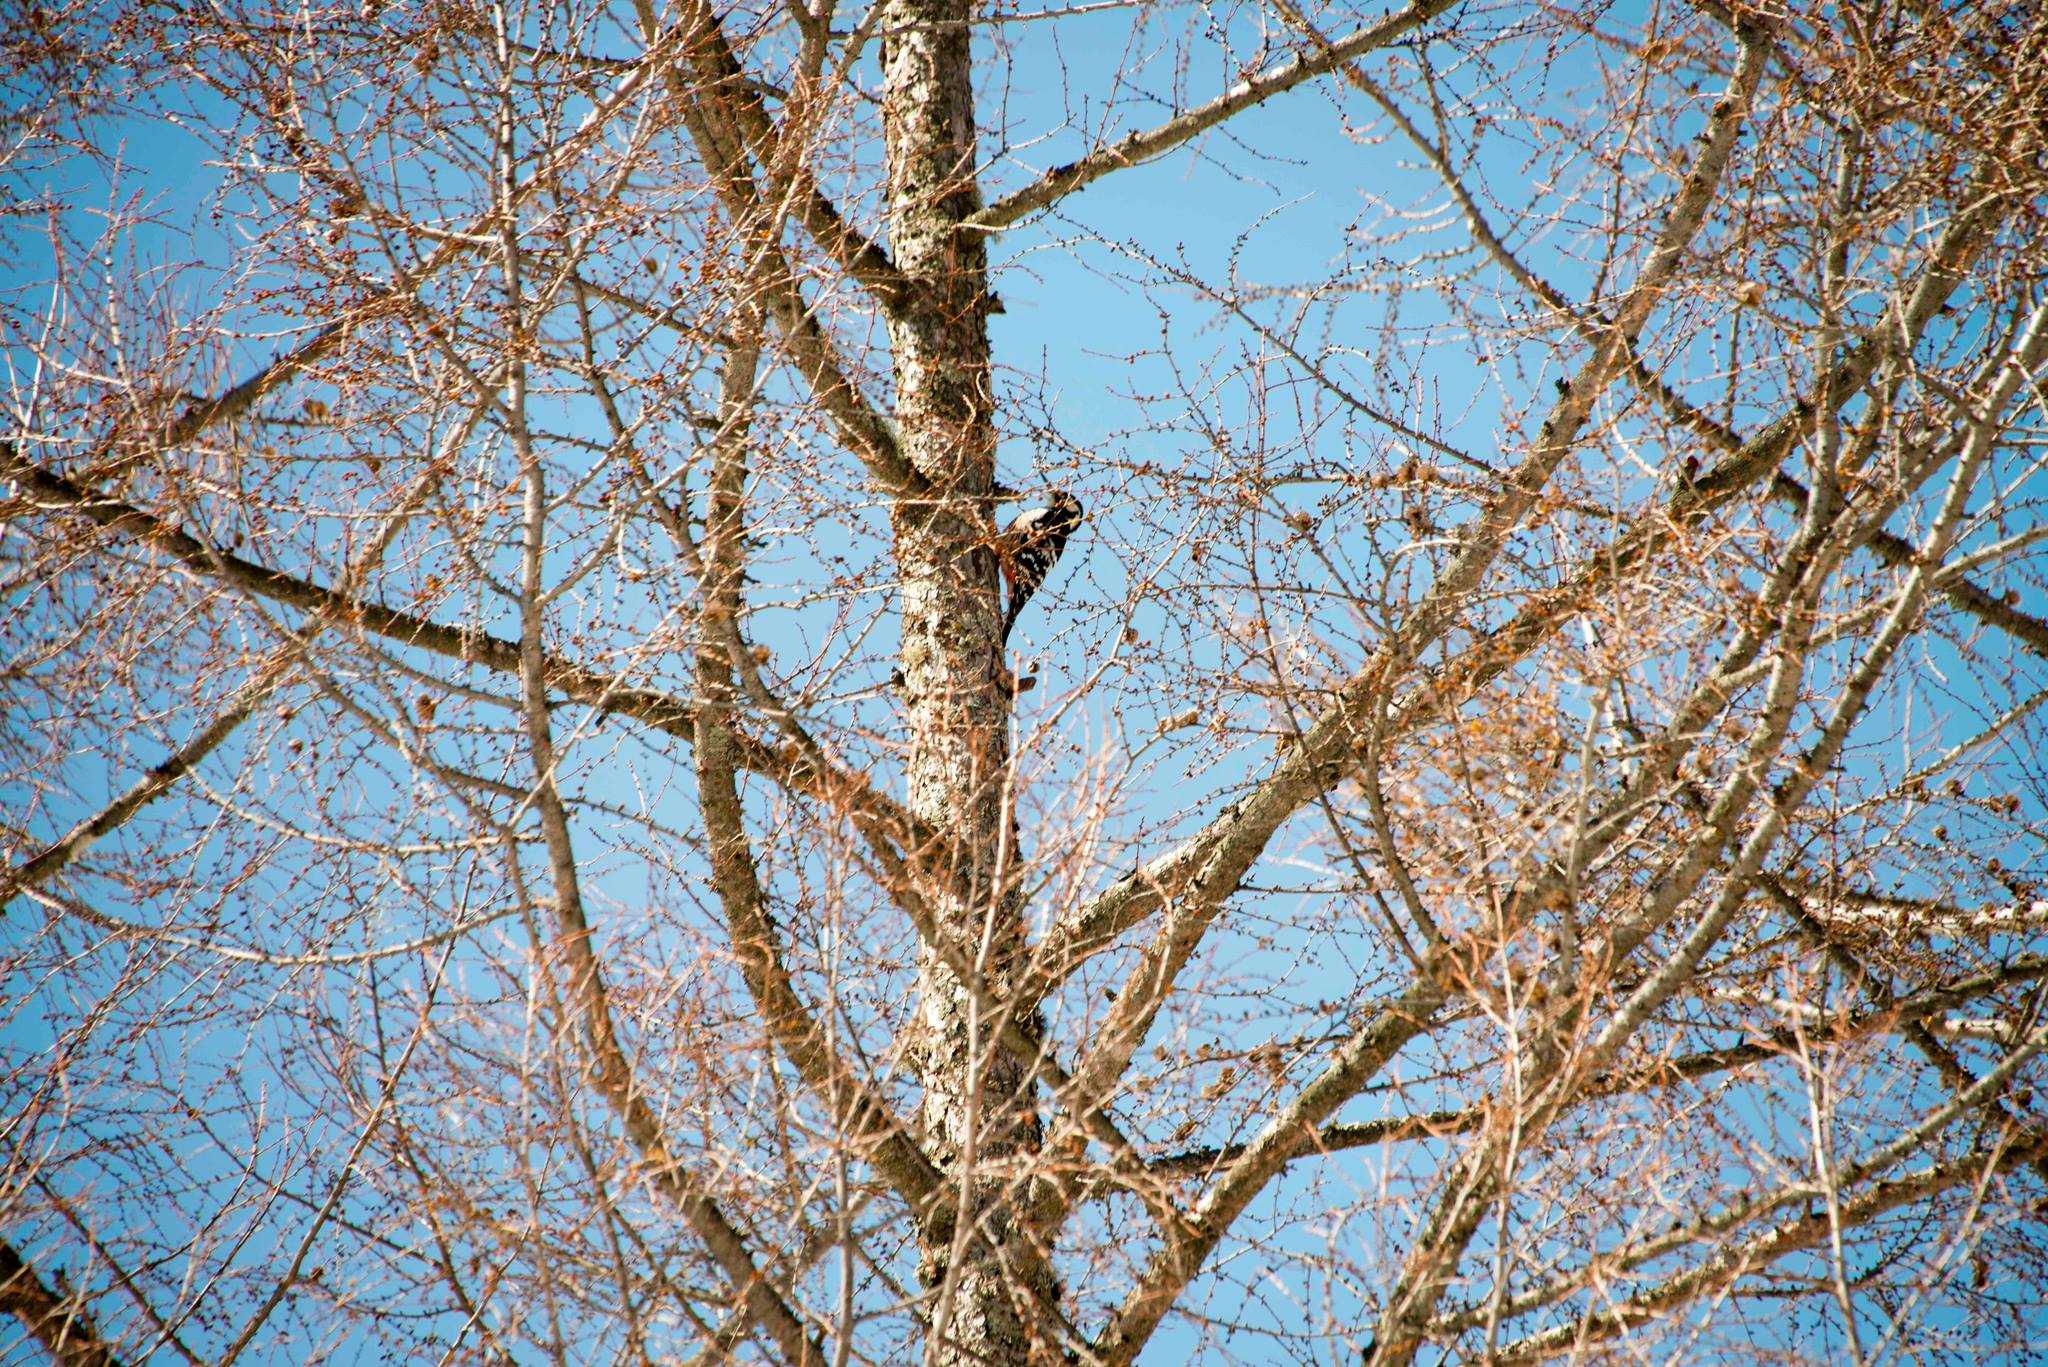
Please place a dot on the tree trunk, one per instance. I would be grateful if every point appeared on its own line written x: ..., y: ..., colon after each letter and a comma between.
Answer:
x: 976, y: 1107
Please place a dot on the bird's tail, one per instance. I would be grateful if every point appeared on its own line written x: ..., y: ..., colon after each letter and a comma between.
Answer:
x: 1011, y: 613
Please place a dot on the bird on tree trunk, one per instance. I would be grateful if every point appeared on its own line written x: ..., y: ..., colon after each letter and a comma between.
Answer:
x: 1026, y: 550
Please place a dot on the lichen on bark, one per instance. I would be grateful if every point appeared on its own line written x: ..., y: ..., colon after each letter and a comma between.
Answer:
x: 976, y: 1100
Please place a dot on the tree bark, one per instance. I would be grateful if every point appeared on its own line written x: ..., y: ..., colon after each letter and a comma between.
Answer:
x: 59, y: 1322
x: 981, y: 1286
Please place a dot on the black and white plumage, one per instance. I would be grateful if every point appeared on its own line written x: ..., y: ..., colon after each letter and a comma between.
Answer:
x: 1030, y: 545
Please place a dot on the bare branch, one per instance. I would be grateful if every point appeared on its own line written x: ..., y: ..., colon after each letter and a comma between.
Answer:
x: 1729, y: 1265
x: 58, y: 1322
x: 462, y: 644
x: 1142, y: 146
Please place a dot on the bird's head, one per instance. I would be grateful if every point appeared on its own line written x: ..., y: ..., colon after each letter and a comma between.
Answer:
x: 1066, y: 505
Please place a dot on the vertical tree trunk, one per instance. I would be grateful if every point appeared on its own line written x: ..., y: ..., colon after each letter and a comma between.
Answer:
x: 976, y: 1109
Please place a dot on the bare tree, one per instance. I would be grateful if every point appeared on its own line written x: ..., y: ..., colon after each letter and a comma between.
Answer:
x: 1512, y: 831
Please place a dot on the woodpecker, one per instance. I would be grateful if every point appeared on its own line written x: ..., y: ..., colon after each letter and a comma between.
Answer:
x: 1028, y: 547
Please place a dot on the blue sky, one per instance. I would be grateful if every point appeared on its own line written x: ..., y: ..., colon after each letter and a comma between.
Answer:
x: 1085, y: 340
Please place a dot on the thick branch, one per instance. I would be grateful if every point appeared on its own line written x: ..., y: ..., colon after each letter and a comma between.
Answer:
x: 1193, y: 901
x: 720, y: 79
x: 66, y: 849
x: 1891, y: 549
x: 1463, y: 1202
x: 546, y: 166
x: 1146, y: 144
x: 711, y: 126
x: 1236, y: 835
x: 1979, y: 602
x: 1288, y: 1135
x: 756, y: 941
x: 1900, y: 1012
x: 1736, y: 1261
x: 266, y: 679
x: 59, y: 1322
x: 609, y: 1068
x: 1895, y: 1014
x: 838, y: 790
